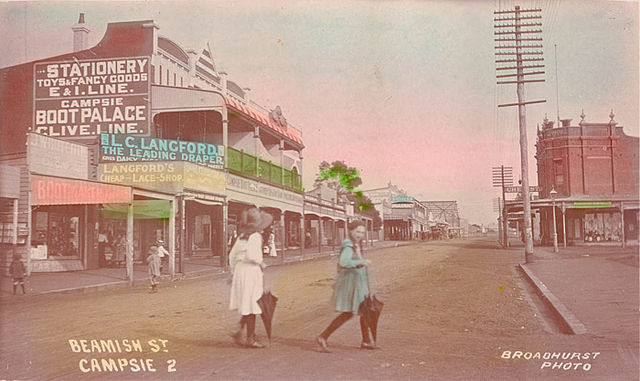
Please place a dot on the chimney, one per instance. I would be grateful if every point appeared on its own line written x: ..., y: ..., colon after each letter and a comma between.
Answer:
x: 80, y: 35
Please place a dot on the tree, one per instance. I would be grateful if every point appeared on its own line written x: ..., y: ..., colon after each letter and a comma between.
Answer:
x: 339, y: 176
x: 344, y: 179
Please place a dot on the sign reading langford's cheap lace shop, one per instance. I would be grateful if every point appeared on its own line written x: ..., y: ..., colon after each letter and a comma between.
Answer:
x: 83, y: 98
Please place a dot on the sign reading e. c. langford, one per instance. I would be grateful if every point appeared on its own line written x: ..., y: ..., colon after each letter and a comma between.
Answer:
x: 47, y: 190
x: 87, y: 97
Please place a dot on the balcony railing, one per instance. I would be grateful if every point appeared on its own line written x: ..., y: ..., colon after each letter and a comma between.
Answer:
x: 248, y: 165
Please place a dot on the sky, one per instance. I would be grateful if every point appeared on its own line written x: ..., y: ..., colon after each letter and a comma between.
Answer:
x: 404, y: 91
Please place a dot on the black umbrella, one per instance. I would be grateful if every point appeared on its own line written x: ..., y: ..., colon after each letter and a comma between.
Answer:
x: 267, y: 303
x: 370, y: 309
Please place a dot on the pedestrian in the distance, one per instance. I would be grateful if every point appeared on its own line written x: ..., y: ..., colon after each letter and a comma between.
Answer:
x: 153, y: 261
x: 351, y: 286
x: 307, y: 240
x: 271, y: 243
x: 102, y: 243
x: 164, y: 256
x: 17, y: 272
x: 245, y: 260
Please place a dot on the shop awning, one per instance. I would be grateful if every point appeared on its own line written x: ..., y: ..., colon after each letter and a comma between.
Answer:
x: 205, y: 202
x: 142, y: 209
x: 49, y: 190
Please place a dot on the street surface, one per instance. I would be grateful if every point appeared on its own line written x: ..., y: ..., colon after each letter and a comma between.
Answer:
x: 454, y: 310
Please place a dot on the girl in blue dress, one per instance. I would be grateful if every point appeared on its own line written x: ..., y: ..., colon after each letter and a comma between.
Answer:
x: 351, y: 286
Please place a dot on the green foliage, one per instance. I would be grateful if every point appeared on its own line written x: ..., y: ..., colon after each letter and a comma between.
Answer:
x: 338, y: 175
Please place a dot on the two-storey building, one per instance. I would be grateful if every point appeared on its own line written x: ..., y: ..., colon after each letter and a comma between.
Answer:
x: 133, y: 140
x: 592, y: 169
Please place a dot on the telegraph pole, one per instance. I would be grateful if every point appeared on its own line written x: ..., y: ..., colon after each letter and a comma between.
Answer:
x: 497, y: 207
x: 518, y: 37
x: 503, y: 176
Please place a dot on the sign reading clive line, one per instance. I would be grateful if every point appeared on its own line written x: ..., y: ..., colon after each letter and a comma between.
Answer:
x: 127, y: 148
x: 84, y: 98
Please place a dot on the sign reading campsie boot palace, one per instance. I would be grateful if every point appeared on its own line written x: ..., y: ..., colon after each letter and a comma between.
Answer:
x: 83, y: 98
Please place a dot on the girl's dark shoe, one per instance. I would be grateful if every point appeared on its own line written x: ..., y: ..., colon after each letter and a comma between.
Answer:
x: 367, y: 345
x: 322, y: 342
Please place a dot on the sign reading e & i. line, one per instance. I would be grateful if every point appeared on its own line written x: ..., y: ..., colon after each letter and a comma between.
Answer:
x: 83, y: 98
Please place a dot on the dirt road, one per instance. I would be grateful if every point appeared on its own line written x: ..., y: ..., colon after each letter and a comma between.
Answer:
x: 453, y: 310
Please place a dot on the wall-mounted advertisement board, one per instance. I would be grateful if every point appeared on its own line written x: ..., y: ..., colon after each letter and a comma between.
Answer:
x: 127, y: 148
x: 83, y: 98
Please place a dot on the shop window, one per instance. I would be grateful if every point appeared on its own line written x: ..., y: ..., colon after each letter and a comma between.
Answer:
x: 602, y: 227
x: 56, y: 234
x: 202, y: 232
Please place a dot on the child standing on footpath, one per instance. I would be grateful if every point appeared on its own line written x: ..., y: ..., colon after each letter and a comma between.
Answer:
x: 17, y: 272
x: 153, y: 261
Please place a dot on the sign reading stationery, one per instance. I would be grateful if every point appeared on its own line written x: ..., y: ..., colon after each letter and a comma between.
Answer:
x: 82, y: 98
x: 126, y: 148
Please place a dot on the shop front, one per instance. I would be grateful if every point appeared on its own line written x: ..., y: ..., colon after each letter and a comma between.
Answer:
x: 597, y: 223
x: 150, y: 225
x: 589, y: 222
x: 64, y: 221
x: 325, y: 220
x: 199, y: 193
x: 284, y: 205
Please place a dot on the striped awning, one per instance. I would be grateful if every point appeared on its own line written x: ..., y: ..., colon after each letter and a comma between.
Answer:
x: 264, y: 120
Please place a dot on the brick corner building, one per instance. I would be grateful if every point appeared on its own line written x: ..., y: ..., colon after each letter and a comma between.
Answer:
x: 593, y: 167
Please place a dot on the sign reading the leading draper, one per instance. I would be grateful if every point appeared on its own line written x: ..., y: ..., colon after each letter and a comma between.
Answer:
x: 127, y: 148
x: 83, y: 98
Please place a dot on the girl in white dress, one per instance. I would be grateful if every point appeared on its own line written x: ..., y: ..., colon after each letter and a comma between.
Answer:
x: 245, y: 260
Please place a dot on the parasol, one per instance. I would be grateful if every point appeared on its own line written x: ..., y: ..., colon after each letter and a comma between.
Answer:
x: 267, y: 303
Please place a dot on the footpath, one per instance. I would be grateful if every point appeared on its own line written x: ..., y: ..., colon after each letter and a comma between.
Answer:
x: 116, y: 277
x: 591, y: 289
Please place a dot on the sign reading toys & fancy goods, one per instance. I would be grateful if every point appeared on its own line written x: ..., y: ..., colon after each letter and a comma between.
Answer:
x: 126, y: 148
x: 83, y: 98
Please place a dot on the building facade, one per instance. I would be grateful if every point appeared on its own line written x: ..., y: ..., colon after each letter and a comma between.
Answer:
x: 408, y: 219
x: 592, y: 169
x: 153, y: 142
x: 382, y: 200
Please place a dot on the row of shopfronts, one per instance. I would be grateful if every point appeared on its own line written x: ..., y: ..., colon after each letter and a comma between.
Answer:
x: 107, y: 150
x: 405, y: 218
x: 60, y: 223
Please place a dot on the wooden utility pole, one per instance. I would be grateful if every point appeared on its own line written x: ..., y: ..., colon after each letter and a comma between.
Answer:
x: 503, y: 176
x: 518, y: 36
